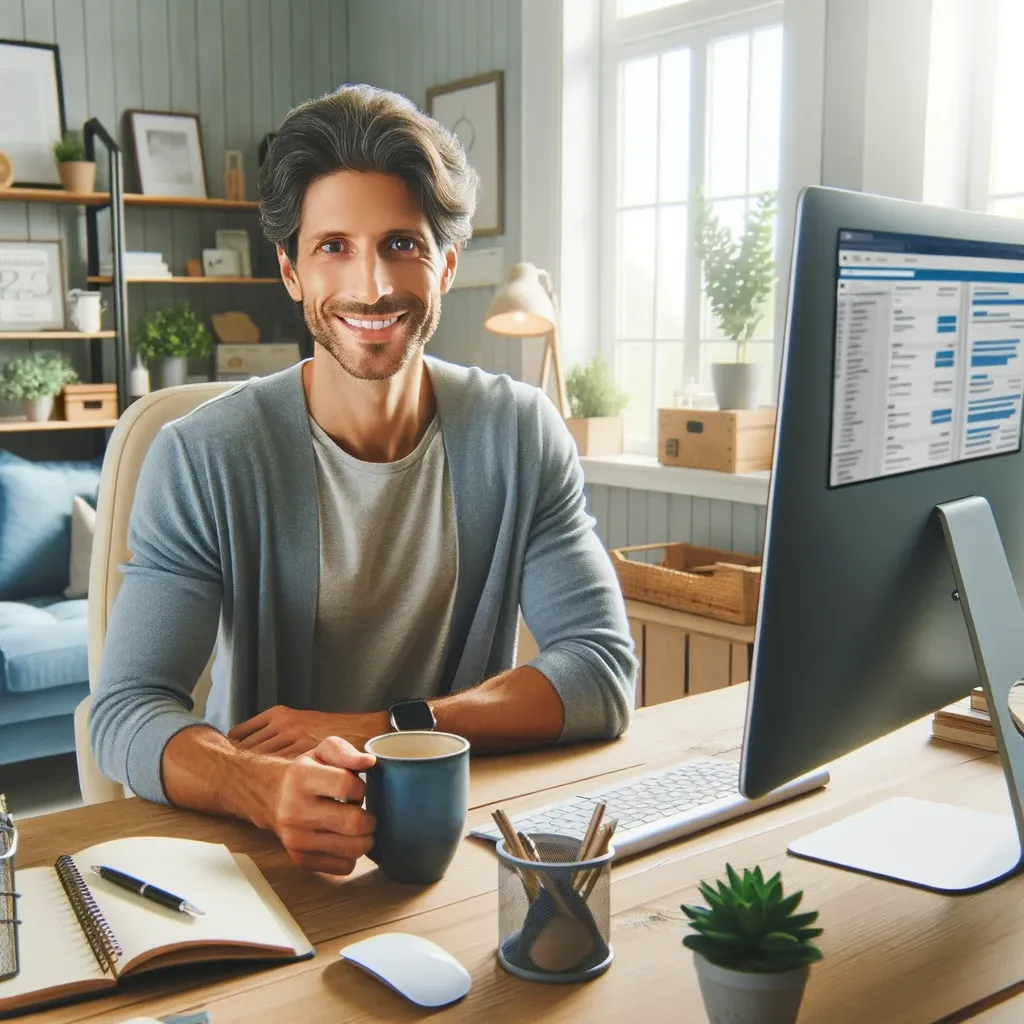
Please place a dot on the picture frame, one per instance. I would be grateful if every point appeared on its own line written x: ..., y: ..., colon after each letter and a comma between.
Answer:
x: 474, y: 110
x: 33, y: 285
x: 168, y: 153
x: 238, y: 240
x: 33, y: 91
x: 222, y: 263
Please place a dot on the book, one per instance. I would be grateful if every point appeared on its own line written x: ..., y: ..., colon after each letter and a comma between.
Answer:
x: 79, y: 934
x: 963, y: 723
x: 978, y: 700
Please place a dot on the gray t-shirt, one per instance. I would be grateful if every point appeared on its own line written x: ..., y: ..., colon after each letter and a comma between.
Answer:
x: 388, y: 567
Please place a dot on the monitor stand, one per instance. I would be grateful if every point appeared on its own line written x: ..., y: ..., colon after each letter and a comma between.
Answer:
x: 933, y: 845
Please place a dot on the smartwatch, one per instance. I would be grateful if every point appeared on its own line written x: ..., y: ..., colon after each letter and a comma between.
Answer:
x: 406, y: 715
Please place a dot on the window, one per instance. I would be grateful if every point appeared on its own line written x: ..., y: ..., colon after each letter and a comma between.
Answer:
x: 1006, y: 170
x: 694, y: 108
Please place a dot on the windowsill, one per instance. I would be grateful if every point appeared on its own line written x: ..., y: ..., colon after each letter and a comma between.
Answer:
x: 645, y: 473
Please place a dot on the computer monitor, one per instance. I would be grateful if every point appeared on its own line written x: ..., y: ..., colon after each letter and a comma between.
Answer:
x: 901, y: 384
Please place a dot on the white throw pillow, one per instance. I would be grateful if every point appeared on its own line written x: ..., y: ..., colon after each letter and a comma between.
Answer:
x: 83, y: 525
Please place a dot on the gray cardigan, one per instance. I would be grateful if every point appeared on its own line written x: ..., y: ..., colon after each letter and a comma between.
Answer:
x: 224, y: 535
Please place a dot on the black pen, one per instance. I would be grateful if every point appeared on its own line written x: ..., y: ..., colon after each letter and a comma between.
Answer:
x: 147, y: 891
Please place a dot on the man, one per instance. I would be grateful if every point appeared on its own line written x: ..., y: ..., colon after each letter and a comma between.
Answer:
x: 359, y: 531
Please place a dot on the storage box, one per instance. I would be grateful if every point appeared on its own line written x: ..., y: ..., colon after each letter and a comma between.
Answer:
x: 83, y: 402
x: 255, y: 360
x: 722, y: 585
x: 738, y: 441
x: 597, y: 435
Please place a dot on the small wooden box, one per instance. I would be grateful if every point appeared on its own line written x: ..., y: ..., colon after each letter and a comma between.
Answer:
x: 599, y: 435
x: 84, y: 402
x: 234, y: 361
x: 737, y: 441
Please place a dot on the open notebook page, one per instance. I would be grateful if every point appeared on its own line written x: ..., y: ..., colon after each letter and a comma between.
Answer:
x: 207, y: 875
x: 53, y: 951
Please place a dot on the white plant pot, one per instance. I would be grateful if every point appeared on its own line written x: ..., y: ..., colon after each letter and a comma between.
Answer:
x: 744, y: 997
x: 737, y: 385
x: 38, y: 410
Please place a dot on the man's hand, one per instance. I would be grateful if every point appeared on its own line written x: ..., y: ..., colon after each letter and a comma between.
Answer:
x: 316, y: 810
x: 287, y: 732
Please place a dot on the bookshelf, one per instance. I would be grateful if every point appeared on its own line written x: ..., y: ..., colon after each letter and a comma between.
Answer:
x: 25, y: 426
x: 57, y: 195
x: 189, y: 280
x: 54, y: 335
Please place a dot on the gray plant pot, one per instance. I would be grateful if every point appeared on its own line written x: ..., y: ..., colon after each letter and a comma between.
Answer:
x: 38, y: 410
x: 742, y: 997
x: 737, y: 385
x: 167, y: 372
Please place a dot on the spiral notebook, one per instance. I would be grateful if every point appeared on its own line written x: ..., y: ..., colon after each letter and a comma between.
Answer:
x: 79, y: 934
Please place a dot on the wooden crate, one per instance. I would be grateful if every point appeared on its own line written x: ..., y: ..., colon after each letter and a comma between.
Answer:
x: 705, y: 581
x: 737, y: 441
x: 83, y: 402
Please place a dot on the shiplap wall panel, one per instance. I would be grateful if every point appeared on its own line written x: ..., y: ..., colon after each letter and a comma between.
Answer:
x: 628, y: 516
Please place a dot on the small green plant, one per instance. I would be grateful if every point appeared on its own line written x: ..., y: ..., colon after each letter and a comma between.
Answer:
x: 592, y: 392
x: 749, y: 925
x: 738, y: 275
x: 69, y: 148
x: 171, y: 331
x: 40, y: 375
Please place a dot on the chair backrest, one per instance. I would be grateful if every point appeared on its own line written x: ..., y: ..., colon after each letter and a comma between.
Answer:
x: 122, y: 464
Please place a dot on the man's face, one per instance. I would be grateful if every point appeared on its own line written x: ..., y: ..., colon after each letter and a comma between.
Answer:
x: 368, y: 272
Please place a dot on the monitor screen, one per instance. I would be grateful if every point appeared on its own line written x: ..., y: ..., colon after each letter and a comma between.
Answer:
x: 928, y: 367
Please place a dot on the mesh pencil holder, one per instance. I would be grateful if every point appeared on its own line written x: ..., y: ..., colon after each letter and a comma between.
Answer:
x: 554, y: 915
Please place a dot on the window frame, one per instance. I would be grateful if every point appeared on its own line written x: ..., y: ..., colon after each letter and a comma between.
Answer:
x: 693, y: 24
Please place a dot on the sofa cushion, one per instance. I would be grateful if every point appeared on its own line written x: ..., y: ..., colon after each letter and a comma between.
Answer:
x: 35, y: 522
x: 42, y: 646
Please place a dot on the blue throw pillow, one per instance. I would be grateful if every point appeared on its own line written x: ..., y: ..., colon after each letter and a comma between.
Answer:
x: 35, y: 522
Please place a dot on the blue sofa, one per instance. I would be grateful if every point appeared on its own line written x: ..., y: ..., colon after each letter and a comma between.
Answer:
x: 44, y: 662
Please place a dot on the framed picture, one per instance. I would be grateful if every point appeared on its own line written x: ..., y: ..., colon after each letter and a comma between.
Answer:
x: 33, y: 111
x: 168, y: 154
x: 474, y: 109
x: 221, y: 263
x: 230, y: 238
x: 32, y: 286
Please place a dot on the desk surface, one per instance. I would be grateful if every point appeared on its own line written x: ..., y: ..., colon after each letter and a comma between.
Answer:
x: 892, y: 953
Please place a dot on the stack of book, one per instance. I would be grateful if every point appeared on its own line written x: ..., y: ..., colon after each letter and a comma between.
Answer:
x: 139, y: 264
x: 966, y: 722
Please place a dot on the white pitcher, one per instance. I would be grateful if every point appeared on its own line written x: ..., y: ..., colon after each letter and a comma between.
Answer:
x: 86, y: 310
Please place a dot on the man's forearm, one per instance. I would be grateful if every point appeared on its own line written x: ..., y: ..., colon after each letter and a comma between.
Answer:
x: 514, y: 711
x: 205, y: 771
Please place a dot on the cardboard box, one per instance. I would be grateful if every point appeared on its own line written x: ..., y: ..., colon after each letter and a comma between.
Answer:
x: 84, y: 402
x: 241, y: 361
x: 735, y: 441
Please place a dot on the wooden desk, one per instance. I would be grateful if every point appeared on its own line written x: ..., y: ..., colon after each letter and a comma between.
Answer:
x: 893, y: 954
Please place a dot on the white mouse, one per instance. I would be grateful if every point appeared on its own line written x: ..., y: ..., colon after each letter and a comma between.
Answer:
x: 414, y: 967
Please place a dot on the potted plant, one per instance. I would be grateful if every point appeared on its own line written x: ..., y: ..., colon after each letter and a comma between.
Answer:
x: 164, y: 340
x: 596, y: 405
x: 751, y: 949
x: 76, y: 173
x: 35, y: 380
x: 738, y: 278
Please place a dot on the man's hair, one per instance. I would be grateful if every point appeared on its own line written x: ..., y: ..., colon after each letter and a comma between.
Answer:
x: 361, y: 128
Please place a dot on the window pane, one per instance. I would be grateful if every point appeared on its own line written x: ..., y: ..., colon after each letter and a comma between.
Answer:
x: 1007, y: 138
x: 627, y: 8
x: 669, y: 378
x: 671, y: 271
x: 674, y: 177
x: 638, y: 128
x: 727, y: 116
x: 1013, y: 207
x: 730, y: 213
x: 765, y: 109
x: 635, y: 275
x: 634, y: 367
x: 725, y: 352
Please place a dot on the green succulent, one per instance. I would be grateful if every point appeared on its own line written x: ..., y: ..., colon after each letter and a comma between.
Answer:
x: 40, y: 375
x: 738, y: 275
x: 69, y: 148
x: 749, y: 925
x: 171, y: 331
x: 592, y: 391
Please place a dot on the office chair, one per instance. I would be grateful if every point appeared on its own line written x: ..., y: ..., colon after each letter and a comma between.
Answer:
x: 122, y: 464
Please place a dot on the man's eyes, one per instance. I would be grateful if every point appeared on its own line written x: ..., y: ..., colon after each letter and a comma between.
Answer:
x: 402, y: 243
x: 333, y: 246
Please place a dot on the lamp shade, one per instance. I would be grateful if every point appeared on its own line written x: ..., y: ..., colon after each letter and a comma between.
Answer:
x: 522, y: 307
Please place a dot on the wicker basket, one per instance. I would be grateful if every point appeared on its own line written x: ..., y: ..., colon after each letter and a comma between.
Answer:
x: 705, y: 581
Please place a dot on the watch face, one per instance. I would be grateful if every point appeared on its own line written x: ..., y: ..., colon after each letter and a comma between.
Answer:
x: 412, y: 714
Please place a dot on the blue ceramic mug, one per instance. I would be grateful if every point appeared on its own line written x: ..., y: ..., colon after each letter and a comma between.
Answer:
x: 419, y: 793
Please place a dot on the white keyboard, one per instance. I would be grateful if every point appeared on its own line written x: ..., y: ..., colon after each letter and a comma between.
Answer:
x: 661, y: 807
